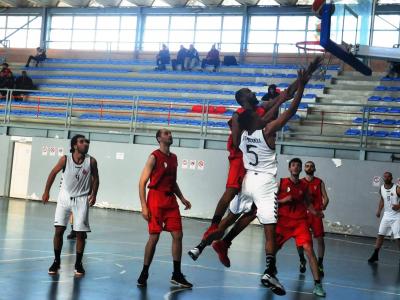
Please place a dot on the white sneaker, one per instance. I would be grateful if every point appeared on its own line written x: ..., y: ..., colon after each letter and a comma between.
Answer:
x: 194, y: 253
x: 273, y: 284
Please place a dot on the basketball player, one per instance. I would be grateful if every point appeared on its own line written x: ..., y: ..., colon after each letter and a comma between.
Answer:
x: 294, y: 201
x: 319, y: 200
x: 247, y: 100
x: 80, y: 183
x: 161, y: 210
x: 390, y: 223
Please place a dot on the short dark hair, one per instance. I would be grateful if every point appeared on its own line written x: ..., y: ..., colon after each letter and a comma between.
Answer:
x: 74, y: 141
x: 295, y: 160
x: 239, y: 94
x: 5, y: 64
x: 311, y: 162
x: 158, y: 134
x: 245, y: 119
x: 390, y: 173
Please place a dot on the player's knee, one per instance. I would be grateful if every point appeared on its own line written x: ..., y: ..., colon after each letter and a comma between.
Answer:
x: 308, y: 248
x: 177, y: 235
x: 59, y: 232
x: 81, y: 235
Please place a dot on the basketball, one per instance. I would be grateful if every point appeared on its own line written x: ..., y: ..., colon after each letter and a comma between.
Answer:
x: 317, y: 7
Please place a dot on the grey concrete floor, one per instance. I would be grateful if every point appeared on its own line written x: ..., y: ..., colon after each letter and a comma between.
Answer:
x: 114, y: 256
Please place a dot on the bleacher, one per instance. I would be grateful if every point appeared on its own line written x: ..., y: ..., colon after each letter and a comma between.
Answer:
x: 126, y: 94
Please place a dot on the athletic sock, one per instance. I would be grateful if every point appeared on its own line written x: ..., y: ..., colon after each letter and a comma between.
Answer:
x: 270, y: 263
x: 300, y: 250
x: 57, y: 255
x: 320, y: 261
x: 216, y: 219
x: 177, y: 267
x: 317, y: 281
x: 201, y: 246
x: 78, y: 258
x: 145, y: 269
x: 376, y: 251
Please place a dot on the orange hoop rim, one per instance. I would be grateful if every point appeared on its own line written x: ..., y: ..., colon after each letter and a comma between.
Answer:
x: 304, y: 46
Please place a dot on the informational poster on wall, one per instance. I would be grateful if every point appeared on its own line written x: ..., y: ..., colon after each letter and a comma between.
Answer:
x: 185, y: 163
x: 201, y: 165
x: 53, y: 151
x: 376, y: 181
x: 192, y: 165
x: 120, y: 155
x: 45, y: 151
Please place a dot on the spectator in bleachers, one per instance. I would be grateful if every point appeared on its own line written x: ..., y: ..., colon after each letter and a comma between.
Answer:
x: 212, y: 58
x: 180, y: 59
x: 39, y: 57
x: 23, y: 82
x: 6, y: 78
x: 272, y: 93
x: 163, y: 58
x: 394, y: 70
x: 192, y: 59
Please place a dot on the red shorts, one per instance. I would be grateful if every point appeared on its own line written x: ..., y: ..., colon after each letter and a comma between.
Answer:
x: 236, y: 173
x: 292, y: 228
x: 164, y: 212
x: 316, y: 226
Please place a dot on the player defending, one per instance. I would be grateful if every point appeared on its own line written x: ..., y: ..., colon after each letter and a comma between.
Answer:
x: 80, y: 183
x: 390, y: 223
x: 294, y: 202
x: 319, y: 200
x: 161, y: 210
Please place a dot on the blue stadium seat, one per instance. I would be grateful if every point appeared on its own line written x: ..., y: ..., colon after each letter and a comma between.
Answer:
x: 375, y: 98
x: 388, y: 122
x: 380, y: 88
x: 381, y: 133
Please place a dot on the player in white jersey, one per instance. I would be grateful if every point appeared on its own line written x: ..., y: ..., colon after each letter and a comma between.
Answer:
x: 80, y: 183
x: 390, y: 223
x: 259, y: 184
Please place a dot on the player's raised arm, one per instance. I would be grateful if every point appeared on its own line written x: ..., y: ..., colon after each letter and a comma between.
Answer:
x: 289, y: 92
x: 144, y: 178
x: 52, y: 176
x: 277, y: 124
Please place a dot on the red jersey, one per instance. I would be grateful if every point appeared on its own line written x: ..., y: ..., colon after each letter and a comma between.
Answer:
x: 163, y: 175
x: 235, y: 152
x: 296, y: 209
x: 314, y: 191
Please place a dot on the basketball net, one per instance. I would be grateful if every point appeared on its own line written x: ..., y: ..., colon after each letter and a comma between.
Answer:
x: 308, y: 50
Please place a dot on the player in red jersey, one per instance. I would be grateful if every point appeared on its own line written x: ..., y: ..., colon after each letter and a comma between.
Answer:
x: 293, y: 203
x: 247, y: 100
x: 319, y: 200
x: 161, y: 210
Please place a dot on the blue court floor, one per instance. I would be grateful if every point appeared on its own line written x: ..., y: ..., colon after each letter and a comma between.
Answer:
x: 114, y: 255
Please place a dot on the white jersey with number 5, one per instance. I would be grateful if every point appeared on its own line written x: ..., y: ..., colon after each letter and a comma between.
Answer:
x: 257, y: 155
x: 390, y: 198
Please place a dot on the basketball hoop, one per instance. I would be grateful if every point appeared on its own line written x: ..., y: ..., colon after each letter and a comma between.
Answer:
x: 312, y: 49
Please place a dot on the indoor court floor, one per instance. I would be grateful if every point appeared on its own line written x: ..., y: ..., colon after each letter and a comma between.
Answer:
x: 114, y: 256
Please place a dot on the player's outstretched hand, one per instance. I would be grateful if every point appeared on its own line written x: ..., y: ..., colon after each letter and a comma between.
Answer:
x: 145, y: 213
x: 45, y: 197
x: 92, y: 200
x: 187, y: 203
x: 303, y: 77
x: 314, y: 65
x: 320, y: 214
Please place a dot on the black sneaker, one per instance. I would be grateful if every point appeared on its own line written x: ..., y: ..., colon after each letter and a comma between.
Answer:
x: 180, y: 280
x: 142, y: 280
x: 53, y: 270
x: 373, y: 258
x: 302, y: 267
x: 71, y: 235
x: 79, y: 270
x: 271, y: 282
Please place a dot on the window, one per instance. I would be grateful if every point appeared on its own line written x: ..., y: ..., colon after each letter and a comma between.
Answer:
x: 21, y: 31
x: 386, y: 31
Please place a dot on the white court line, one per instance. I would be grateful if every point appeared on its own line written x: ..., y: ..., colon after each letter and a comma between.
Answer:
x: 30, y: 250
x: 362, y: 244
x: 103, y: 277
x: 120, y: 266
x: 122, y: 272
x: 169, y: 294
x: 36, y: 258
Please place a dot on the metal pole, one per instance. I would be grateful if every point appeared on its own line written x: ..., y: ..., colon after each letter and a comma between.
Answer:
x: 136, y: 114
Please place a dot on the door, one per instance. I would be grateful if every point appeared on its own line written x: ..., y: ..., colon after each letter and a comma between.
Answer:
x: 20, y: 170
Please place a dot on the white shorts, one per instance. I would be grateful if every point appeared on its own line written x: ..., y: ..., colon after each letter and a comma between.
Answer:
x: 390, y: 226
x: 78, y: 206
x: 260, y: 189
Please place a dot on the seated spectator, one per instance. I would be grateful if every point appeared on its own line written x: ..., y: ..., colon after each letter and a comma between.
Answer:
x: 192, y: 59
x: 23, y: 82
x: 180, y: 59
x: 211, y: 59
x: 6, y: 78
x: 163, y: 58
x: 394, y: 70
x: 272, y: 93
x: 39, y: 57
